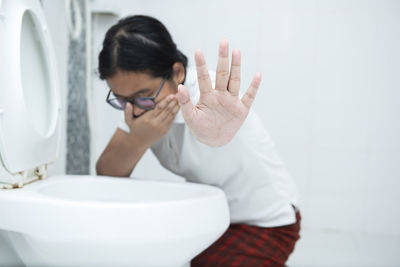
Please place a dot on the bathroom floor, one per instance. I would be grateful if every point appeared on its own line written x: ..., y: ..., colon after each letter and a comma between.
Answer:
x: 324, y: 248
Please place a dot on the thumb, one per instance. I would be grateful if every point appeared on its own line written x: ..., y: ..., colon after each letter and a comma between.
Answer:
x: 128, y: 113
x: 185, y: 103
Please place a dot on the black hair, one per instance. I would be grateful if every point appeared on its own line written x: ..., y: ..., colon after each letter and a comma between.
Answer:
x: 139, y: 43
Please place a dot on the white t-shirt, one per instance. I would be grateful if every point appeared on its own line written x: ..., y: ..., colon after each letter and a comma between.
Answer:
x: 258, y: 188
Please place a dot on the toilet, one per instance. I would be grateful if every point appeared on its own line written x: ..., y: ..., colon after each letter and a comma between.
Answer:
x: 80, y: 220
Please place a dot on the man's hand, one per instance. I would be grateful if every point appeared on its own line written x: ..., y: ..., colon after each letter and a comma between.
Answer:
x: 219, y: 113
x: 153, y: 124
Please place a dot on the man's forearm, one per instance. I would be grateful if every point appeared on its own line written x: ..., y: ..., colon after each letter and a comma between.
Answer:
x: 121, y: 159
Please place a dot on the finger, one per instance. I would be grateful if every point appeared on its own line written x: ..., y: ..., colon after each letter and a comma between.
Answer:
x: 185, y: 103
x: 163, y: 104
x: 171, y: 118
x: 234, y: 78
x: 202, y: 73
x: 171, y: 115
x: 175, y: 109
x: 222, y: 75
x: 248, y: 98
x: 128, y: 113
x: 168, y: 110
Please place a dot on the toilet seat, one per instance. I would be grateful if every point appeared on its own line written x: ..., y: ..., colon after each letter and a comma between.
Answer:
x: 29, y: 104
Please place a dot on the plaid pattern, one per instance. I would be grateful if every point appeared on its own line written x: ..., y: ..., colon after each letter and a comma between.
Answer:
x: 251, y: 246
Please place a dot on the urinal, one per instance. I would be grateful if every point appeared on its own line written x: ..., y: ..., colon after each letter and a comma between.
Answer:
x: 81, y: 220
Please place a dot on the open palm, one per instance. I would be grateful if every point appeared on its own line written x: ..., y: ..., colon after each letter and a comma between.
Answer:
x: 219, y: 113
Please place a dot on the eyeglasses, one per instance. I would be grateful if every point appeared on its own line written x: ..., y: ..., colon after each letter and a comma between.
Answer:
x: 146, y: 103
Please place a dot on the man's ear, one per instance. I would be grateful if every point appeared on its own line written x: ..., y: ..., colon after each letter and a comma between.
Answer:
x: 179, y: 72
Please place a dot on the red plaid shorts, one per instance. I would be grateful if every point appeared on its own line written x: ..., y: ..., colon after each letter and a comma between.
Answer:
x: 251, y: 246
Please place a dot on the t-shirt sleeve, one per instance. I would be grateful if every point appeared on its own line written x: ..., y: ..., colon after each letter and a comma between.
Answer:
x: 122, y: 124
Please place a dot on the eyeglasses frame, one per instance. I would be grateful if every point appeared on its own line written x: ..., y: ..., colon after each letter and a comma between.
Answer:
x: 132, y: 100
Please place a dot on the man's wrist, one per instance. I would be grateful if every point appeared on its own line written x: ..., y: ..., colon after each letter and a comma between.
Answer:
x: 139, y: 141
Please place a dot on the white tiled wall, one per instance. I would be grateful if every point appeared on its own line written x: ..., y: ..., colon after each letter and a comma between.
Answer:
x: 330, y: 94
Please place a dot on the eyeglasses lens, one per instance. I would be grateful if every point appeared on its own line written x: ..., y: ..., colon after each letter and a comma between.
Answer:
x: 118, y: 103
x: 145, y: 103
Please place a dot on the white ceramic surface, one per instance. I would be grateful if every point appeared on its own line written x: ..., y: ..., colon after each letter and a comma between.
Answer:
x: 30, y: 124
x: 104, y: 221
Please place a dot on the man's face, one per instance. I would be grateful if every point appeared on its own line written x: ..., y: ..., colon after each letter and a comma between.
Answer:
x: 128, y: 84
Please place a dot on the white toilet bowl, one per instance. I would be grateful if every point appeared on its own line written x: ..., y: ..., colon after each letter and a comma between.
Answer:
x: 81, y: 220
x: 102, y: 221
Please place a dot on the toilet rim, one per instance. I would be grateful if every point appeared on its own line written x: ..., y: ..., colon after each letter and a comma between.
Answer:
x: 32, y: 194
x: 28, y: 212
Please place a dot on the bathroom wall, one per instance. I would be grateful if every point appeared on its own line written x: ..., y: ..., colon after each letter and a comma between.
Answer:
x: 55, y: 16
x: 75, y: 146
x: 330, y: 94
x: 78, y: 131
